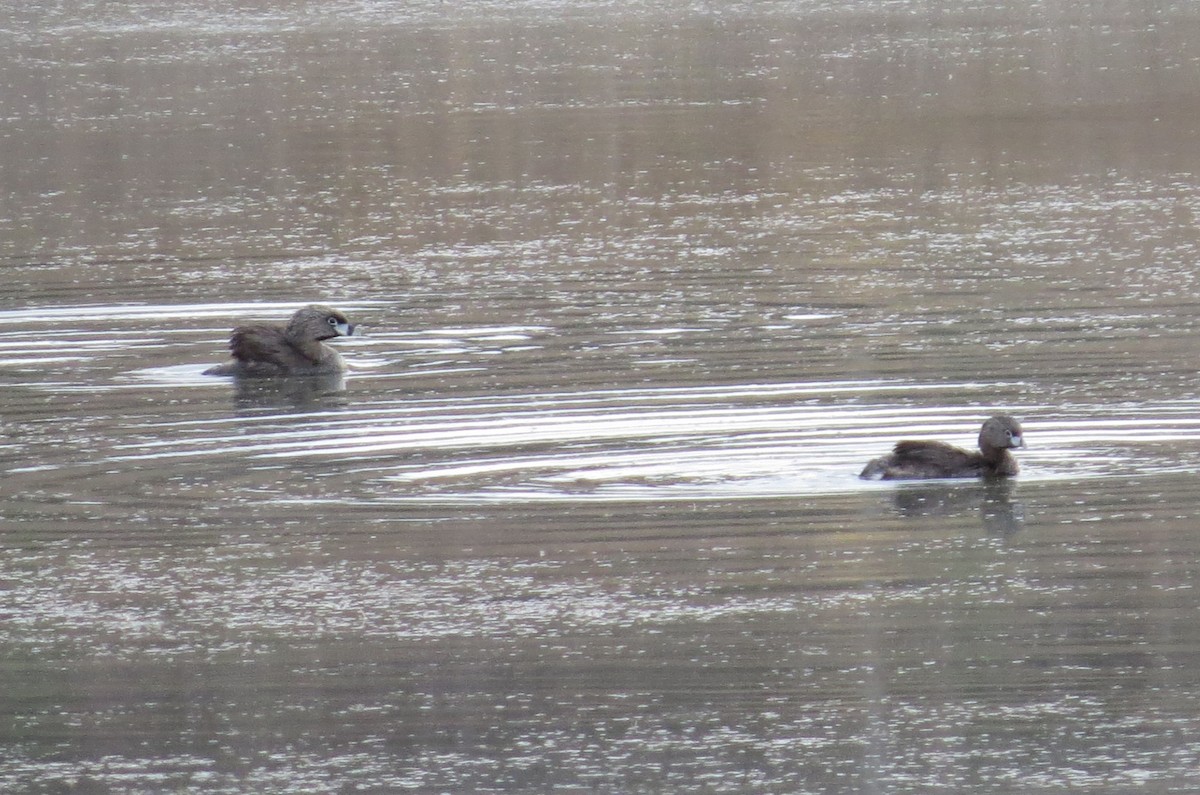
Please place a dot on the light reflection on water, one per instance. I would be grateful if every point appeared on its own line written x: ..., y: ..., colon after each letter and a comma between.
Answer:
x: 596, y: 534
x: 743, y: 441
x: 641, y: 296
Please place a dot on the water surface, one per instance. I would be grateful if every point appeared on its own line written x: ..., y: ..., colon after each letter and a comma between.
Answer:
x: 642, y: 289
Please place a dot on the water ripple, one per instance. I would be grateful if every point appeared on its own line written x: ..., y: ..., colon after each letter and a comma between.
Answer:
x: 746, y: 441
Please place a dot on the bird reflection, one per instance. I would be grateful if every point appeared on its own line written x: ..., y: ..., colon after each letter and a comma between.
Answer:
x: 293, y: 392
x: 991, y: 498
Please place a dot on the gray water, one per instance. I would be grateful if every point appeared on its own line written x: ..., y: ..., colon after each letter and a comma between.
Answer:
x: 643, y: 286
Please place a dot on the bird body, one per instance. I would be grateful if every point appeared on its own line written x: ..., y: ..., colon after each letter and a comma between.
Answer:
x: 913, y: 460
x: 298, y: 348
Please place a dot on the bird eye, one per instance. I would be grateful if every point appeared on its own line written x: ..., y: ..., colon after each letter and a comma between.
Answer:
x: 331, y: 321
x: 1009, y: 434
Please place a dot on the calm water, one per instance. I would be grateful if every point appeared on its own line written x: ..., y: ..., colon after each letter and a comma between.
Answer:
x: 643, y: 286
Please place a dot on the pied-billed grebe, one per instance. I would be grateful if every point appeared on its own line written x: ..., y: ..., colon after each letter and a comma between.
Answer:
x: 915, y: 460
x: 269, y: 349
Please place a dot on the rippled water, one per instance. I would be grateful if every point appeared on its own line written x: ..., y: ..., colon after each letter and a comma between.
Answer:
x: 642, y: 289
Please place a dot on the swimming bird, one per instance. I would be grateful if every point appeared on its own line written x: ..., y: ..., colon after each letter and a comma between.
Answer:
x: 269, y: 349
x: 911, y: 460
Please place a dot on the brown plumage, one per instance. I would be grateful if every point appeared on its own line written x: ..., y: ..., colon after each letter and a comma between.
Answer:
x: 915, y: 460
x: 266, y: 349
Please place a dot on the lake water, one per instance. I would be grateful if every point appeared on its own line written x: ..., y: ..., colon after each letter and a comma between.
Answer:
x: 643, y: 286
